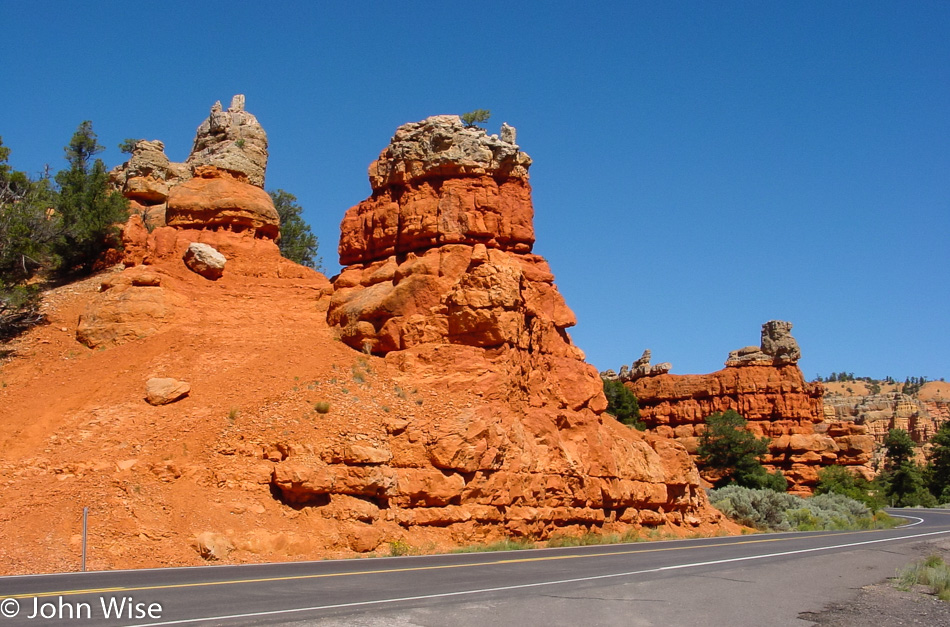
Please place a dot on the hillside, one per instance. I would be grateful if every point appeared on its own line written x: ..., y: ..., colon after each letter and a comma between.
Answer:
x: 427, y: 397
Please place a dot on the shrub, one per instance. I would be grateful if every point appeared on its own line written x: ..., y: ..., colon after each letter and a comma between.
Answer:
x: 478, y: 115
x: 839, y: 480
x: 768, y: 510
x: 322, y: 407
x: 622, y: 404
x: 932, y: 571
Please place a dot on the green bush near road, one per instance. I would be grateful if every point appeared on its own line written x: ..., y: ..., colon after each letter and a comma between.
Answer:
x: 767, y: 510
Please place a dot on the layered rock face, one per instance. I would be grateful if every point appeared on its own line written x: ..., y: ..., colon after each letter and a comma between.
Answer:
x: 766, y: 387
x: 442, y: 282
x: 920, y: 415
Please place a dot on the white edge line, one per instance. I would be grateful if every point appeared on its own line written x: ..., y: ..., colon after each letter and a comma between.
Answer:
x: 531, y: 585
x: 375, y: 558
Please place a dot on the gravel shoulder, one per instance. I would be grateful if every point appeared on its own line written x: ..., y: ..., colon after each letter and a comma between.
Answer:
x: 883, y: 605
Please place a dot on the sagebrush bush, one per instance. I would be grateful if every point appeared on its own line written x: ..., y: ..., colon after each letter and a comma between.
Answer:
x: 933, y: 572
x: 768, y: 510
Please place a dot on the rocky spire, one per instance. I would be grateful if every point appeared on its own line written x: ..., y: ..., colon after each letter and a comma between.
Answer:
x: 440, y: 182
x: 232, y: 140
x: 777, y: 347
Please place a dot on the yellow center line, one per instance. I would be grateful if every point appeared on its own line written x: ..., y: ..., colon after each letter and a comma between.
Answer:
x: 521, y: 560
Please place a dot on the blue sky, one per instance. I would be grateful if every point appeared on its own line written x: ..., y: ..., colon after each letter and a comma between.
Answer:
x: 699, y: 168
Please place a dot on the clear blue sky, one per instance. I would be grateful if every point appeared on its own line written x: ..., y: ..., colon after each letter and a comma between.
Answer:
x: 700, y: 167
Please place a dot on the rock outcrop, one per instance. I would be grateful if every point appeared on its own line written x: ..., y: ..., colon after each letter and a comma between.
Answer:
x: 766, y: 387
x: 233, y: 141
x: 213, y: 200
x: 777, y: 347
x: 920, y: 414
x: 219, y: 186
x: 472, y: 417
x: 442, y: 282
x: 639, y: 369
x: 440, y: 183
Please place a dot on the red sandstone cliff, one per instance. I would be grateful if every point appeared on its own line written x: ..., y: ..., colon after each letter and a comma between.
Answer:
x: 767, y: 388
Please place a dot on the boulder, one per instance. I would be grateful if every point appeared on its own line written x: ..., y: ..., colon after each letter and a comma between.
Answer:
x: 213, y: 546
x: 162, y: 391
x: 132, y: 305
x: 205, y: 260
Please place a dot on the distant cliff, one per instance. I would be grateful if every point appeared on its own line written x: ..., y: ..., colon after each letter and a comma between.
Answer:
x: 765, y: 385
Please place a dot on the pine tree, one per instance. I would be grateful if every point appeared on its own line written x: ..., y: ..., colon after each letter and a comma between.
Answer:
x: 87, y: 211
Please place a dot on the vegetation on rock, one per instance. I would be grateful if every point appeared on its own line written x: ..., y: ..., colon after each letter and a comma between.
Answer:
x: 62, y: 225
x: 87, y: 211
x: 473, y: 117
x: 622, y: 404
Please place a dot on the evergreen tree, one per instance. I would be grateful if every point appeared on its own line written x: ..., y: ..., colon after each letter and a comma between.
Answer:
x: 904, y: 484
x: 727, y: 447
x: 899, y: 448
x: 939, y: 467
x: 26, y: 230
x: 297, y: 241
x: 473, y: 117
x: 622, y: 404
x: 87, y: 211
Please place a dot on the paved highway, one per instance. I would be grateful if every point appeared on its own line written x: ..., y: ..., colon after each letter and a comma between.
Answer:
x: 579, y: 585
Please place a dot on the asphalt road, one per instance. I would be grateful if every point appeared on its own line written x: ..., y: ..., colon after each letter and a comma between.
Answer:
x: 747, y: 580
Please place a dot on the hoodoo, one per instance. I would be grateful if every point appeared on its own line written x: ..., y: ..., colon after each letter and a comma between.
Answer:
x: 442, y: 282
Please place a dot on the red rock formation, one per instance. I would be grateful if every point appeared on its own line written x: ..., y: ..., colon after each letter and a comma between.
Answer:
x: 215, y: 198
x: 442, y: 283
x: 766, y: 387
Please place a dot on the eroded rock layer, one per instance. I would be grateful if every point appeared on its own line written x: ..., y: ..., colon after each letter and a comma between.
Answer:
x: 920, y: 414
x: 765, y: 385
x: 219, y: 186
x: 442, y: 283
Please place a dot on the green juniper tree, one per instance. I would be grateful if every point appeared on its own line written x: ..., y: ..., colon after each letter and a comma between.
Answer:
x: 26, y: 229
x: 939, y: 466
x: 472, y: 118
x: 727, y: 447
x: 622, y: 404
x: 297, y: 241
x: 904, y: 484
x: 87, y: 211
